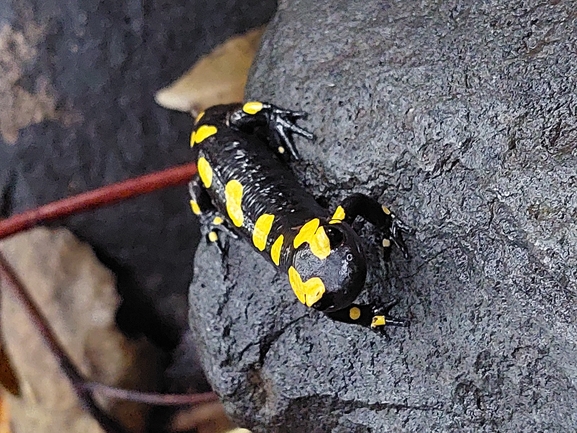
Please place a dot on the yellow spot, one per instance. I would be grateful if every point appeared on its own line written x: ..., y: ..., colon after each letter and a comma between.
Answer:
x: 308, y: 292
x: 280, y: 150
x: 217, y: 221
x: 201, y: 134
x: 204, y: 171
x: 213, y: 237
x: 321, y: 246
x: 195, y: 207
x: 386, y: 210
x: 386, y: 243
x: 276, y: 250
x: 338, y: 216
x: 197, y: 119
x: 316, y: 237
x: 355, y: 313
x: 262, y: 228
x: 378, y: 321
x: 306, y: 232
x: 252, y: 107
x: 233, y: 197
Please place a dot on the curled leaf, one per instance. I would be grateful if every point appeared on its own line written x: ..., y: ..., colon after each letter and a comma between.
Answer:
x: 217, y: 78
x: 77, y: 295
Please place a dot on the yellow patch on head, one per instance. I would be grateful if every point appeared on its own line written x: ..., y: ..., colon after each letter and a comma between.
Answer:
x: 262, y: 228
x: 386, y: 243
x: 195, y: 207
x: 306, y: 232
x: 320, y: 245
x: 386, y: 210
x: 378, y: 321
x: 355, y: 313
x: 338, y: 216
x: 233, y: 197
x: 197, y: 118
x: 217, y: 221
x: 252, y: 107
x: 276, y: 250
x: 201, y: 134
x: 316, y: 237
x: 204, y: 171
x: 213, y: 237
x: 308, y: 292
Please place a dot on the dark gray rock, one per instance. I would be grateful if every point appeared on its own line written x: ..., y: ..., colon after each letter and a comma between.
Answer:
x: 461, y: 116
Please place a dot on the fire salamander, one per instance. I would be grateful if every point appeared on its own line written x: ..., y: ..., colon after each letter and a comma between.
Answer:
x: 245, y: 189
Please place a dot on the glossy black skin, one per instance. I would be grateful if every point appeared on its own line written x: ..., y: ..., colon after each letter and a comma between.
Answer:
x: 246, y: 148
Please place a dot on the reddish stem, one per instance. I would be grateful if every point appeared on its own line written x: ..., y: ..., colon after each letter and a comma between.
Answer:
x: 97, y: 198
x: 151, y: 398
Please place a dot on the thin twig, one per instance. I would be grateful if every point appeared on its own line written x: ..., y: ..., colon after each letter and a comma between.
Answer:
x: 151, y: 397
x: 97, y: 198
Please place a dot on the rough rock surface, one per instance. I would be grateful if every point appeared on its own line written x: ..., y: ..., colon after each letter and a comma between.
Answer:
x: 77, y: 80
x: 461, y: 116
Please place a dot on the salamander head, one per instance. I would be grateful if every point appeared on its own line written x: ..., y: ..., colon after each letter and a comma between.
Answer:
x: 328, y: 266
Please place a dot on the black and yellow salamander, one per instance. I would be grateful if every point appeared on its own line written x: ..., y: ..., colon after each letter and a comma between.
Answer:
x: 245, y: 188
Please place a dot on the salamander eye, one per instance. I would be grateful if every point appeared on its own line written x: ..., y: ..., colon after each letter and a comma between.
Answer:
x: 335, y: 236
x: 349, y: 257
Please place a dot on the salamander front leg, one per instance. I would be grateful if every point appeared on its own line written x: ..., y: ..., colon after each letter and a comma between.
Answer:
x: 369, y: 316
x: 378, y: 215
x: 211, y: 221
x: 281, y: 123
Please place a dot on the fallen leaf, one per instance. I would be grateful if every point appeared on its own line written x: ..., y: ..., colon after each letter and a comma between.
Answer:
x: 217, y: 78
x: 4, y: 414
x: 206, y: 418
x: 79, y: 299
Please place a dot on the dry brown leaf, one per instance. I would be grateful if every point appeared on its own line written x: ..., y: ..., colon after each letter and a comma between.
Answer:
x: 4, y: 414
x: 206, y: 418
x: 217, y: 78
x: 78, y: 297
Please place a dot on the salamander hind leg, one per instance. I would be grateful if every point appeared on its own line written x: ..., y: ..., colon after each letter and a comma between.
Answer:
x: 378, y: 215
x: 369, y: 316
x: 280, y: 122
x: 212, y: 223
